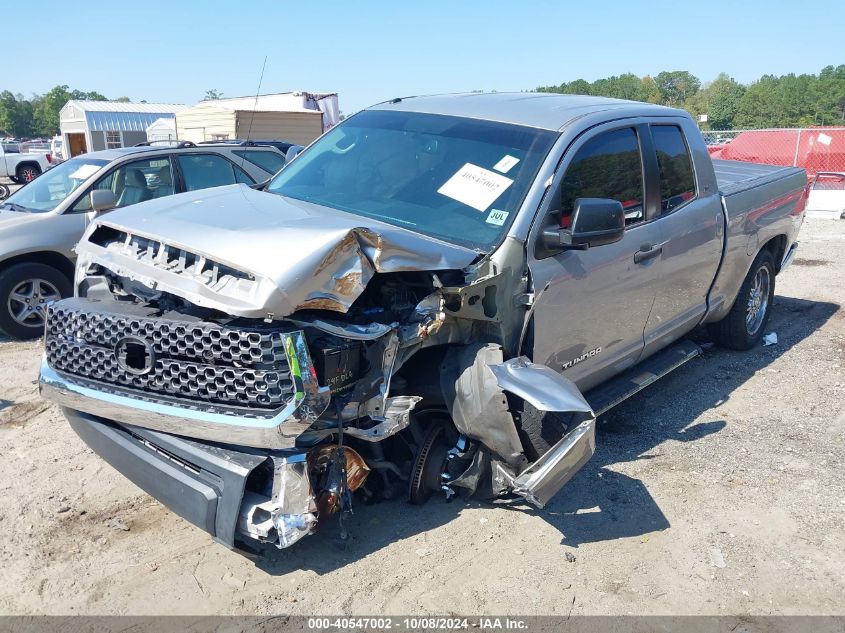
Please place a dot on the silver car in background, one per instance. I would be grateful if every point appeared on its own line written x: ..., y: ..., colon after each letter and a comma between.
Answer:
x: 41, y: 222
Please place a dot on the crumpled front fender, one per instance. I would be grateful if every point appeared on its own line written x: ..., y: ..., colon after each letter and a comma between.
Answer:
x: 474, y: 381
x: 539, y: 385
x: 549, y: 391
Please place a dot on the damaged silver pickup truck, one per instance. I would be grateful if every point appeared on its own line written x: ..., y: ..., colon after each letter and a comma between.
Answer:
x: 437, y: 296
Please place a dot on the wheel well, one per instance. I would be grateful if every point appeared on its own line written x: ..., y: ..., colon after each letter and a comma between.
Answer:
x: 28, y: 163
x: 422, y: 374
x: 777, y: 247
x: 49, y: 258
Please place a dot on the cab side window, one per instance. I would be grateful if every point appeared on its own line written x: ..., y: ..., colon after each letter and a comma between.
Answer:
x: 269, y: 161
x: 134, y: 182
x: 607, y: 166
x: 201, y: 171
x: 677, y: 182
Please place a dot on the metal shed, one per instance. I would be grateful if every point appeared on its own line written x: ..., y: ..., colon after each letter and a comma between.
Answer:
x: 88, y: 126
x: 298, y: 117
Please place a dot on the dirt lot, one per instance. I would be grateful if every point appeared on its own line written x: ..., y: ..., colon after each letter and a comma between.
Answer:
x: 718, y: 490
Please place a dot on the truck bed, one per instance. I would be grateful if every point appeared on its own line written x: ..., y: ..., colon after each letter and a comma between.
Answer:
x: 734, y: 176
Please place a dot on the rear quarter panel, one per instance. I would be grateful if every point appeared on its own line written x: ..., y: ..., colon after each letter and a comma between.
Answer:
x: 756, y: 216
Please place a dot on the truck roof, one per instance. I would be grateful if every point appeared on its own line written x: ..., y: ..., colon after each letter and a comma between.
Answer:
x: 533, y: 109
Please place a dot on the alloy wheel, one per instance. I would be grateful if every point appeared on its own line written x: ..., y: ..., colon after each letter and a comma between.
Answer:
x: 28, y: 301
x: 758, y: 301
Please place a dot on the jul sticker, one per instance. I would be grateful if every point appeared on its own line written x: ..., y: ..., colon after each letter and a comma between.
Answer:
x: 497, y: 217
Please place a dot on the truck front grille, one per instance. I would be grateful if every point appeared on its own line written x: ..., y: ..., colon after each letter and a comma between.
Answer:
x: 196, y: 362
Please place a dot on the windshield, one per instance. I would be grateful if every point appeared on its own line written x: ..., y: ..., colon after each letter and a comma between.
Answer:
x: 457, y: 179
x: 47, y: 191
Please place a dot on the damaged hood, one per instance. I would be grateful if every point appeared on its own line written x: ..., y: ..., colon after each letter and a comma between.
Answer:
x: 254, y: 254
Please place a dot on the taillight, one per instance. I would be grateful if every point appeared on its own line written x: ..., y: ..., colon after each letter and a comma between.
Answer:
x: 49, y: 157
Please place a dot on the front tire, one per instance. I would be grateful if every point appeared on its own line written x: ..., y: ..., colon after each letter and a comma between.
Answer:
x: 26, y: 290
x: 540, y: 430
x: 27, y: 173
x: 743, y: 327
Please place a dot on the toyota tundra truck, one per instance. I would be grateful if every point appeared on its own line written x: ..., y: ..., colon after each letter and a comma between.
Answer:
x: 437, y: 297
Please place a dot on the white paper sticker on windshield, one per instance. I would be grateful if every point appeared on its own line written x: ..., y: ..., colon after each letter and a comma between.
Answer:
x: 824, y: 139
x: 85, y: 171
x: 497, y: 217
x: 506, y: 163
x: 475, y: 186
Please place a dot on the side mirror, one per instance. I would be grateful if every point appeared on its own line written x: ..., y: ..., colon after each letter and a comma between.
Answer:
x: 292, y: 152
x: 103, y: 200
x: 595, y: 222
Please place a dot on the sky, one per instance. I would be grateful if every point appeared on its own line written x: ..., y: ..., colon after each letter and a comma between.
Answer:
x: 369, y: 51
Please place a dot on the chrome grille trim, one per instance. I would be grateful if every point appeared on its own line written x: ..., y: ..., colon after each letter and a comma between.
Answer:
x: 198, y: 363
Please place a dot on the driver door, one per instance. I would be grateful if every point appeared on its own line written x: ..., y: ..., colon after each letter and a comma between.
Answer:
x: 591, y: 306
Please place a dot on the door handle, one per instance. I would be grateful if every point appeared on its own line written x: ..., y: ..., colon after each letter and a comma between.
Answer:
x: 647, y: 252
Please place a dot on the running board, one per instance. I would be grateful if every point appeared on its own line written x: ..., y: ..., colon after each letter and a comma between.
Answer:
x: 618, y: 389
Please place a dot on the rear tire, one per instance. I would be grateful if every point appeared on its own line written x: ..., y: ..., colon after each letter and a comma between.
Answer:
x: 27, y: 173
x: 25, y: 292
x: 743, y: 327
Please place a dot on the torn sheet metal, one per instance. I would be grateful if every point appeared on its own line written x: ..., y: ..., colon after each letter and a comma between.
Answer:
x: 351, y: 331
x: 478, y: 406
x: 543, y: 387
x: 282, y: 255
x: 393, y: 414
x: 289, y: 514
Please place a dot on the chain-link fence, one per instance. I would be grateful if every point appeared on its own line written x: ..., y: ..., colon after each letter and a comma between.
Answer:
x: 815, y: 149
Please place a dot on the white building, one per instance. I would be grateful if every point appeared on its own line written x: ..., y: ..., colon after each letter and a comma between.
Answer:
x: 163, y: 129
x: 88, y: 126
x: 297, y: 117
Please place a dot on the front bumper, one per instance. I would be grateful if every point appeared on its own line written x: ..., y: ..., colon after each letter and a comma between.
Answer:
x: 206, y: 484
x: 278, y: 431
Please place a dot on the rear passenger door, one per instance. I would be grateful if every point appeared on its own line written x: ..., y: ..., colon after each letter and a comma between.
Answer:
x: 201, y: 171
x: 691, y: 227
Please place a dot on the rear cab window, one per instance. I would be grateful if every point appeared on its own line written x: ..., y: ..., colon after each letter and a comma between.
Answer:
x: 677, y: 179
x: 607, y: 166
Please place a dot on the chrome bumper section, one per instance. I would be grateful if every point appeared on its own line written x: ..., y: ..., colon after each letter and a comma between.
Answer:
x: 540, y: 481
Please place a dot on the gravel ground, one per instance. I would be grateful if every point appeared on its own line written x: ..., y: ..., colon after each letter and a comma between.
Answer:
x: 718, y: 490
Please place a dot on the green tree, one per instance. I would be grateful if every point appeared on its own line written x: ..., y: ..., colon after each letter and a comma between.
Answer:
x: 676, y: 86
x: 758, y: 106
x: 649, y: 92
x: 15, y: 114
x: 88, y: 96
x: 719, y: 100
x: 212, y: 95
x: 123, y: 100
x: 577, y: 87
x: 46, y: 113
